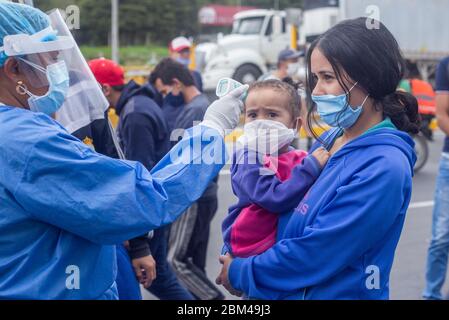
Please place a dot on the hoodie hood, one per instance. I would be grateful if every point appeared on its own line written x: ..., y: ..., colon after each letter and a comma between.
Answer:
x: 132, y: 89
x: 384, y: 136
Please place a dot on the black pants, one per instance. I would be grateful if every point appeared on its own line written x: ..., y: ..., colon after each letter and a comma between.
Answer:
x: 189, y: 238
x: 197, y: 249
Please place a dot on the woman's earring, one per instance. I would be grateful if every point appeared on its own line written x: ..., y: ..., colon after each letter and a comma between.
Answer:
x: 21, y: 88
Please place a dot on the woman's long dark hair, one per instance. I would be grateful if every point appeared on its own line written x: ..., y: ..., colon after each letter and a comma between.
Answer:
x: 372, y: 58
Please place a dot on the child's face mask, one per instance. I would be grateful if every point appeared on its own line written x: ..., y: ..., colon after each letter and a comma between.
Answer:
x: 266, y: 136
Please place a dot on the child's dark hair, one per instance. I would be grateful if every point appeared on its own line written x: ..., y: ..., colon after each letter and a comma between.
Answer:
x: 287, y: 86
x: 372, y: 58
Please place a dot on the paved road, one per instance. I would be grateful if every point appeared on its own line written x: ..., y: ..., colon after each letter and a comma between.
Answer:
x: 407, y: 278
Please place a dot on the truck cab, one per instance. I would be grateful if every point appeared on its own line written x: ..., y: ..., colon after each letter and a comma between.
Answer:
x: 318, y: 17
x: 249, y: 51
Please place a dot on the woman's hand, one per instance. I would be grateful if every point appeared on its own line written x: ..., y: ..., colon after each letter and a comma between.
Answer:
x: 223, y: 279
x: 322, y: 156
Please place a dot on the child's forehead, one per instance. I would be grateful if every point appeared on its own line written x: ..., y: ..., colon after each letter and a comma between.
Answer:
x: 267, y: 97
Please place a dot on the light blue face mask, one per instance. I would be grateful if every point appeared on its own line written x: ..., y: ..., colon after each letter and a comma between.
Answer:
x: 59, y: 83
x: 332, y: 110
x: 183, y: 61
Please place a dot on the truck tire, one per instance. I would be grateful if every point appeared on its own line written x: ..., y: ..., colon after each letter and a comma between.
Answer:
x: 247, y: 74
x: 422, y: 151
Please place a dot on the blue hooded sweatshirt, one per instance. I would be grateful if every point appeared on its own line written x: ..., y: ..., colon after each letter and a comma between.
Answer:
x: 142, y: 129
x: 340, y: 240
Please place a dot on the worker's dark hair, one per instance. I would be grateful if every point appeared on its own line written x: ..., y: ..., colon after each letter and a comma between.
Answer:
x: 370, y: 56
x: 168, y: 69
x: 118, y: 88
x: 287, y: 86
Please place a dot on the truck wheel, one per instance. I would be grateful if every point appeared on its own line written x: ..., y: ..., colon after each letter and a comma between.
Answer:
x: 247, y: 74
x: 422, y: 151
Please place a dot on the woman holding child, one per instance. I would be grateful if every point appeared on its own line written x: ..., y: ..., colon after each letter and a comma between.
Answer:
x: 346, y: 204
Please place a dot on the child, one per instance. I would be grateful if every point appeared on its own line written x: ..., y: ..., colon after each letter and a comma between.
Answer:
x: 252, y: 225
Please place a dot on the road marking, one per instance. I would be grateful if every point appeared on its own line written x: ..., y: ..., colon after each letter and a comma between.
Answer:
x: 225, y: 172
x: 413, y: 205
x: 422, y: 204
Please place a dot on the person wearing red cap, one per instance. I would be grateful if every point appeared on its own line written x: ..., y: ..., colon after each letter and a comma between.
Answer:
x: 111, y: 76
x: 144, y: 137
x: 98, y: 136
x: 180, y: 50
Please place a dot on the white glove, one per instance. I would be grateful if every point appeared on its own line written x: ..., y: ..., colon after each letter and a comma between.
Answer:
x: 224, y: 114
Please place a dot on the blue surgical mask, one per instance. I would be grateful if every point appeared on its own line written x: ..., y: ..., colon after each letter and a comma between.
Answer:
x: 183, y: 61
x: 59, y: 83
x: 333, y: 111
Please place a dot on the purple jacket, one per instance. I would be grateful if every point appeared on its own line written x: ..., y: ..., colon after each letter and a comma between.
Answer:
x: 252, y: 225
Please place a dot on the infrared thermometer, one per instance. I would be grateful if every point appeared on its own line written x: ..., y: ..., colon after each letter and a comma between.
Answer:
x: 226, y: 85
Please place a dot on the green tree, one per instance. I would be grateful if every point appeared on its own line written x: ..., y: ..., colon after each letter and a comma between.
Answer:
x: 145, y: 21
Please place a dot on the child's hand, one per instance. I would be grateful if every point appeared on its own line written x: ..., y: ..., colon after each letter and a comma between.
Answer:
x: 322, y: 156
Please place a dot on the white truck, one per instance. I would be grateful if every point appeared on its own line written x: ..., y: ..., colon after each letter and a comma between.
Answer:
x: 420, y: 26
x: 250, y: 50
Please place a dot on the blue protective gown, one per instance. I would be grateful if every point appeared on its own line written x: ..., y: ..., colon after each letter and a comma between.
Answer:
x: 63, y: 207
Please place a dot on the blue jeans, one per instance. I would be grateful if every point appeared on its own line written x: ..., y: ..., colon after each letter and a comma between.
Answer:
x: 439, y: 247
x: 166, y: 286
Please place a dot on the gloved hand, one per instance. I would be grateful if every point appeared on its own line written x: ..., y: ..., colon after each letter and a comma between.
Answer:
x: 224, y: 114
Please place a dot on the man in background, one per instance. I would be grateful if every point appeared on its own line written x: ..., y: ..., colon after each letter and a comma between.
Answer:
x: 287, y: 66
x: 437, y: 258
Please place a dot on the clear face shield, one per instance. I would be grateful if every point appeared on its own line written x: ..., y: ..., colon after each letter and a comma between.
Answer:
x: 34, y: 67
x: 85, y: 101
x: 35, y: 53
x: 51, y: 61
